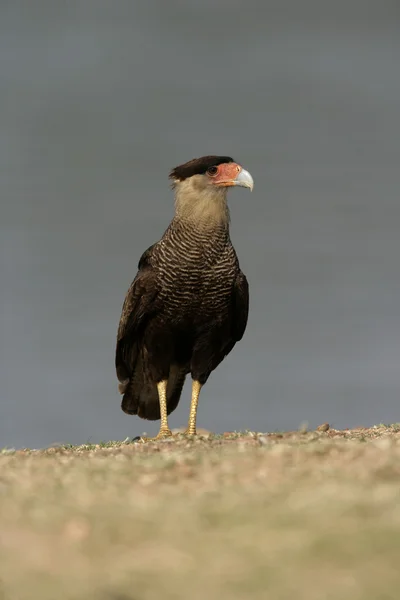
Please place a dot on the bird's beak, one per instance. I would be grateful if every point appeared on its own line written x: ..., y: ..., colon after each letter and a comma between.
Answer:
x: 244, y: 179
x: 231, y: 174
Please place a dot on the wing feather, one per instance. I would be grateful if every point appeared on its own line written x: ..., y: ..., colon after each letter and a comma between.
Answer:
x: 239, y: 316
x: 140, y: 304
x: 240, y: 312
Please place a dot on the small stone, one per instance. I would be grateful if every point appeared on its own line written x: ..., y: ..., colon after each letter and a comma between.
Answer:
x: 323, y: 427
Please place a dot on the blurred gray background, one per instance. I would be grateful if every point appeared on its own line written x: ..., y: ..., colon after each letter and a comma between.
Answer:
x: 98, y: 101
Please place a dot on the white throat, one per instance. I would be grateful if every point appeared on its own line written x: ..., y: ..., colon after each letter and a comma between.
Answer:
x: 201, y: 202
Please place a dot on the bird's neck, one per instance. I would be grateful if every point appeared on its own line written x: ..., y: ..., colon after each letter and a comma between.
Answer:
x: 206, y: 208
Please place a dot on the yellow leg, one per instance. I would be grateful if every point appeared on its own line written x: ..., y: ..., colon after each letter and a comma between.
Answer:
x: 164, y: 429
x: 196, y: 387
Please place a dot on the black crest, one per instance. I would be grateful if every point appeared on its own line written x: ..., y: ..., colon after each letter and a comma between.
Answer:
x: 198, y: 166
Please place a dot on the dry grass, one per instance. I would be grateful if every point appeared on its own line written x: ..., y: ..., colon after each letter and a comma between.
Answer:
x: 302, y: 515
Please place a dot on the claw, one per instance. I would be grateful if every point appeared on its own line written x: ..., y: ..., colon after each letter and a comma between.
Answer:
x: 161, y: 435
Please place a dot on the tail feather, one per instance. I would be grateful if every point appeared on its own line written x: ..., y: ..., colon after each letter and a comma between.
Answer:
x: 140, y: 396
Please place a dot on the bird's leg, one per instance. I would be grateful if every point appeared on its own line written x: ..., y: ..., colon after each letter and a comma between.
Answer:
x: 164, y: 429
x: 162, y: 395
x: 196, y: 387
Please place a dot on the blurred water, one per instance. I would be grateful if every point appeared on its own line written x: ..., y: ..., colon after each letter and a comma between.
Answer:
x: 98, y: 101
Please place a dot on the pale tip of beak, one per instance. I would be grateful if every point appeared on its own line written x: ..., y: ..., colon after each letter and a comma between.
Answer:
x: 244, y: 179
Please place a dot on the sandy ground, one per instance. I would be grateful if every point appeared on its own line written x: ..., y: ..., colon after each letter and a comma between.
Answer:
x: 305, y: 515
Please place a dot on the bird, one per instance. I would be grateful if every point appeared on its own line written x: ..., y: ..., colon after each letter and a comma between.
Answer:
x: 188, y: 304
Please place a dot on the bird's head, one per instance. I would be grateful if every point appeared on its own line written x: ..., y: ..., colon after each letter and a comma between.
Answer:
x: 212, y: 172
x: 201, y: 187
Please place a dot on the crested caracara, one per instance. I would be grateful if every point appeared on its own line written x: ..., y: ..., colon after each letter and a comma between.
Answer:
x: 188, y: 304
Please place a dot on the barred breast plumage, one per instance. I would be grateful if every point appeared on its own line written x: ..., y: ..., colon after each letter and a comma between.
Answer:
x: 196, y: 268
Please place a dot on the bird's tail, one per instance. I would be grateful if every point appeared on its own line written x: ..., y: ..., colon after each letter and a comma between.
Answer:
x: 140, y: 396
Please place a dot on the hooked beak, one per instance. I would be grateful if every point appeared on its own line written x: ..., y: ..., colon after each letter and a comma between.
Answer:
x: 244, y: 179
x: 231, y: 174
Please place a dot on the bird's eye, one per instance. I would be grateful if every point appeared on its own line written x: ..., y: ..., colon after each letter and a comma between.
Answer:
x: 212, y: 171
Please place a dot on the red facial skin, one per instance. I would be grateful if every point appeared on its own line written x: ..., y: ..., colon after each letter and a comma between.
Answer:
x: 225, y: 175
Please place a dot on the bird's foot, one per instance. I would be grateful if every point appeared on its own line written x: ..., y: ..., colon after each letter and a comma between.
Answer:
x: 161, y: 435
x: 190, y: 432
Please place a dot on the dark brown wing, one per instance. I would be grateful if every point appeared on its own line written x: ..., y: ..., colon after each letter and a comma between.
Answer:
x: 140, y: 304
x: 239, y: 316
x: 140, y: 396
x: 240, y: 307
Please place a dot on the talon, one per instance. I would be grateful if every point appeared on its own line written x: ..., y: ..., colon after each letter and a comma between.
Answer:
x: 162, y: 434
